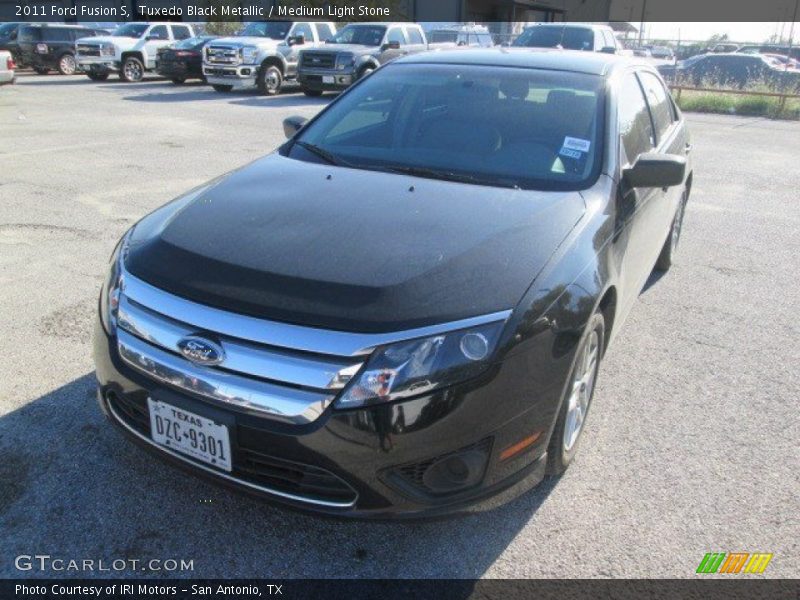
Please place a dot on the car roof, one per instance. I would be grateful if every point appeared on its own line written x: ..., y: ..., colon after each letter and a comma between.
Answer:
x: 593, y: 63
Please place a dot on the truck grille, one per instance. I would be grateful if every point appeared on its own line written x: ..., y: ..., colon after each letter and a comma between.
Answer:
x: 319, y: 60
x: 88, y: 50
x: 222, y: 55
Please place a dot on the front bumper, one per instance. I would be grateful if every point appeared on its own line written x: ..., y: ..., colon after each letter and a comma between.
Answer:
x: 366, y: 457
x: 325, y: 80
x: 178, y: 69
x: 94, y: 63
x: 240, y: 77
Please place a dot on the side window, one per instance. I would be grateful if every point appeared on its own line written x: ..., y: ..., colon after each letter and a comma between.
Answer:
x: 181, y: 32
x: 414, y: 36
x: 396, y: 35
x: 325, y: 31
x: 159, y: 32
x: 635, y: 127
x: 57, y: 34
x: 658, y: 101
x: 303, y: 29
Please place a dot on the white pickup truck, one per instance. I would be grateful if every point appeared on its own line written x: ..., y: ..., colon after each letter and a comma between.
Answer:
x: 130, y: 50
x: 262, y: 56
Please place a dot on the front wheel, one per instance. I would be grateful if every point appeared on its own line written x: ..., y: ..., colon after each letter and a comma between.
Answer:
x: 222, y: 89
x: 270, y: 80
x: 578, y: 397
x: 667, y: 256
x: 132, y: 70
x: 67, y: 65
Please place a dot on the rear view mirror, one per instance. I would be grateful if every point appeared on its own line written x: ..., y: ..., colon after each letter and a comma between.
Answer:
x: 656, y: 170
x: 291, y: 125
x: 297, y: 40
x: 608, y: 50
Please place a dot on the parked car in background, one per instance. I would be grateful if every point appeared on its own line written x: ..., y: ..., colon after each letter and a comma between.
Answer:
x: 403, y: 310
x: 130, y: 51
x: 729, y: 70
x: 570, y: 36
x: 642, y: 52
x: 7, y: 67
x: 792, y: 52
x: 51, y: 46
x: 461, y: 35
x: 662, y: 52
x: 8, y: 39
x: 356, y: 51
x: 724, y: 48
x: 183, y: 60
x: 781, y: 60
x: 262, y: 56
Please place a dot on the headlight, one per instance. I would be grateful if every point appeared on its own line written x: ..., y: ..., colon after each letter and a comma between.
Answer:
x: 344, y: 60
x: 417, y: 366
x: 108, y: 50
x: 248, y: 54
x: 109, y: 294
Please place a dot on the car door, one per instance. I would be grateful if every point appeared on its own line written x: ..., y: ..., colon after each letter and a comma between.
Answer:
x: 156, y: 37
x: 291, y: 52
x: 394, y: 34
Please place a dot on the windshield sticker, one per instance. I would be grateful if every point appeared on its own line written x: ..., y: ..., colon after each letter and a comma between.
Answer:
x: 576, y: 144
x: 570, y: 153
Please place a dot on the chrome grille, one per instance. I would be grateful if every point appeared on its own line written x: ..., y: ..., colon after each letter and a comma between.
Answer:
x: 319, y: 60
x: 222, y: 55
x: 88, y: 50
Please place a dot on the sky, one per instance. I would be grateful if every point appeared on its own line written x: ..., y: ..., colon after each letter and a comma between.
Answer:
x: 743, y: 32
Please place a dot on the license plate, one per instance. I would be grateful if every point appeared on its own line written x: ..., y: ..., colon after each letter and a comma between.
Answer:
x: 327, y: 79
x: 190, y: 434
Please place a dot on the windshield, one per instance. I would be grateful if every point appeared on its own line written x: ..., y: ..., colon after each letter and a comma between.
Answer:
x: 542, y: 36
x: 487, y: 125
x: 134, y: 30
x: 365, y: 35
x: 275, y: 30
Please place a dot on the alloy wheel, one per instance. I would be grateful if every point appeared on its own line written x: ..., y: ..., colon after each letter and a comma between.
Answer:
x: 581, y: 391
x: 133, y: 71
x: 67, y: 64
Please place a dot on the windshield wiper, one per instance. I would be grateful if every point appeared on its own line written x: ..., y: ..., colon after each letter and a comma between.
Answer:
x: 449, y: 176
x: 323, y: 154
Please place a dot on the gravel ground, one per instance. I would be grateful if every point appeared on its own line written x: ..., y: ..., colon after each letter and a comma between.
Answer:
x: 692, y: 442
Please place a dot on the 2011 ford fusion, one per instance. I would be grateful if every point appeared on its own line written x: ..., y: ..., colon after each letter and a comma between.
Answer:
x: 401, y: 311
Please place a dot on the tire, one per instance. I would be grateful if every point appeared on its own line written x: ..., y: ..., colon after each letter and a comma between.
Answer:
x: 67, y: 64
x: 222, y: 89
x: 97, y: 75
x: 132, y: 70
x: 269, y: 80
x: 577, y: 399
x: 312, y: 93
x: 41, y: 70
x: 667, y: 256
x: 179, y: 80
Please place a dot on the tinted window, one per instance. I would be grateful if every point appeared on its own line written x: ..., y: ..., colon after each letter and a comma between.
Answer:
x: 6, y: 29
x: 276, y: 30
x: 659, y: 103
x: 57, y: 34
x: 502, y: 126
x: 181, y: 32
x: 30, y: 34
x: 543, y: 36
x: 325, y: 31
x: 366, y: 35
x: 303, y: 29
x: 634, y: 119
x: 439, y: 37
x: 414, y: 36
x: 396, y: 35
x: 159, y: 32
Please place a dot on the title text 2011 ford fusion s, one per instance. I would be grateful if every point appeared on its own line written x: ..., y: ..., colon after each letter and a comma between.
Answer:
x: 401, y: 311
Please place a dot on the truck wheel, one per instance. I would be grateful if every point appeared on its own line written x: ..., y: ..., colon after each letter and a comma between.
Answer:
x: 97, y: 75
x: 41, y: 70
x: 270, y: 80
x: 132, y: 70
x: 179, y: 80
x: 222, y: 88
x: 66, y: 64
x: 312, y: 93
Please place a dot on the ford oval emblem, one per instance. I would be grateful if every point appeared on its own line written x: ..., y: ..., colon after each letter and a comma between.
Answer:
x: 201, y: 351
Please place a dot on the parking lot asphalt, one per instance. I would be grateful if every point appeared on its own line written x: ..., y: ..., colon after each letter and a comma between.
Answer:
x: 691, y: 447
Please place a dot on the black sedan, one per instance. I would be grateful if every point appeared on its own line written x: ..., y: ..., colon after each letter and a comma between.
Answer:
x: 183, y: 60
x: 403, y: 310
x: 730, y: 70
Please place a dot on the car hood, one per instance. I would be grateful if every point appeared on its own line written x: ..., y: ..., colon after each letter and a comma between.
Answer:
x: 239, y: 42
x: 352, y: 250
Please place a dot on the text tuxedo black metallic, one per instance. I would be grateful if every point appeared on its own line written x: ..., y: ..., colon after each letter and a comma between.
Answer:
x: 402, y: 311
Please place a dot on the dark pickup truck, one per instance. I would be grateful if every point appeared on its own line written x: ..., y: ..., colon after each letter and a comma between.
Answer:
x: 356, y: 51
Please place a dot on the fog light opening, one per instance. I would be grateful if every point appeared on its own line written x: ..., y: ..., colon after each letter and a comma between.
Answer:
x: 455, y: 472
x: 474, y: 346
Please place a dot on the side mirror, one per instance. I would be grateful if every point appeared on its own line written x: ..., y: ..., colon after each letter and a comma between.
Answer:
x: 391, y: 46
x: 608, y: 50
x: 652, y: 170
x: 291, y: 125
x: 296, y: 40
